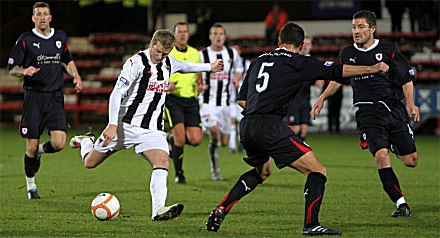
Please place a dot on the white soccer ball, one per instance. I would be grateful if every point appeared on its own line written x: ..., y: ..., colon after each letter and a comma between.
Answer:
x: 105, y: 206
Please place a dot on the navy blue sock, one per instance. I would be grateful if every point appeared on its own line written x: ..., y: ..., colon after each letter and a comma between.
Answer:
x: 31, y: 165
x: 245, y: 184
x: 390, y: 184
x: 314, y: 193
x: 48, y: 148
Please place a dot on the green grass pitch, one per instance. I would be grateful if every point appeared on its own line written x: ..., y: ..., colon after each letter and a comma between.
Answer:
x: 354, y: 201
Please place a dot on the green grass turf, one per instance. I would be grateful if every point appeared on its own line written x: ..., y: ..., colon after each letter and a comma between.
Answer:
x: 354, y: 201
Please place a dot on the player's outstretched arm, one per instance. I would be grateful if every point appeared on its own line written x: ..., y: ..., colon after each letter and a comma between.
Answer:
x: 217, y: 66
x: 192, y: 67
x: 354, y: 70
x: 330, y: 90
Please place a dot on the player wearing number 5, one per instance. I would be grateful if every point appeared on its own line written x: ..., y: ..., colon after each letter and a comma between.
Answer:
x: 272, y: 80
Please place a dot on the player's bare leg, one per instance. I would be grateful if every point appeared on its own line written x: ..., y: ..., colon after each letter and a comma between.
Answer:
x: 213, y: 152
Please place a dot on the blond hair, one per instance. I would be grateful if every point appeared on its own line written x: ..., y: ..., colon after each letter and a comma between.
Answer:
x: 165, y: 37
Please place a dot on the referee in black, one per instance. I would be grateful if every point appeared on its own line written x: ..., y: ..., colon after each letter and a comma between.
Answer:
x: 382, y: 119
x: 272, y: 80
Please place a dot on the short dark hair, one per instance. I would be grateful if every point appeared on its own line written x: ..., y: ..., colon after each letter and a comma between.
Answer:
x: 292, y: 33
x: 216, y: 25
x: 40, y: 4
x: 369, y: 17
x: 179, y: 23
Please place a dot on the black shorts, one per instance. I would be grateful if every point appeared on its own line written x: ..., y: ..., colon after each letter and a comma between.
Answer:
x: 42, y: 110
x: 298, y: 114
x: 183, y: 110
x: 264, y: 136
x: 379, y: 128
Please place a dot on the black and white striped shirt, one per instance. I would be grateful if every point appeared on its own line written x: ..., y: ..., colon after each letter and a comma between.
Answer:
x: 143, y: 86
x: 218, y: 93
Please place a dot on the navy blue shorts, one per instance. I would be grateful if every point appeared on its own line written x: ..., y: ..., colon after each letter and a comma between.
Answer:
x: 299, y: 114
x: 42, y: 110
x: 379, y: 128
x: 264, y: 136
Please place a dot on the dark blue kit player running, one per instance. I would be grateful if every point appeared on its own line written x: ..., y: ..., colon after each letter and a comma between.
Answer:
x: 39, y: 56
x: 272, y: 80
x: 382, y: 119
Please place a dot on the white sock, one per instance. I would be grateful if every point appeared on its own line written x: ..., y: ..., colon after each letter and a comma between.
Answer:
x: 30, y: 183
x: 400, y: 201
x: 86, y: 147
x: 233, y: 138
x: 158, y: 189
x: 40, y: 149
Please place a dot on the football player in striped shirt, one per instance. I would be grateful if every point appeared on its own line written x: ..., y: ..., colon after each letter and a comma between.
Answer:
x: 136, y: 108
x: 215, y: 110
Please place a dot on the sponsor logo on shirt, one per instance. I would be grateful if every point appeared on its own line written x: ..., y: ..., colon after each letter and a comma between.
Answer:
x: 219, y: 76
x: 49, y: 59
x: 363, y: 77
x: 158, y: 87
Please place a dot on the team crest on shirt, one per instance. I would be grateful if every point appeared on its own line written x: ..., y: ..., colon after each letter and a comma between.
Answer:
x: 379, y: 56
x: 58, y: 44
x: 10, y: 61
x: 24, y: 130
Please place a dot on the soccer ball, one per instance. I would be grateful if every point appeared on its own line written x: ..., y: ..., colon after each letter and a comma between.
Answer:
x: 105, y: 206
